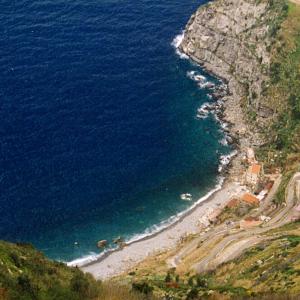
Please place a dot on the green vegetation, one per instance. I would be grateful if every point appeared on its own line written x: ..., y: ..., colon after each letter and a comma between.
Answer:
x: 283, y: 91
x: 268, y: 271
x: 25, y: 274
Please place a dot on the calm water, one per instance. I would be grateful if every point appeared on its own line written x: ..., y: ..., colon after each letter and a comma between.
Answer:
x: 98, y: 128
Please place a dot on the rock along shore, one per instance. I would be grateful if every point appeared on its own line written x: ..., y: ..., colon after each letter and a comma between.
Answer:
x: 220, y: 37
x: 230, y: 39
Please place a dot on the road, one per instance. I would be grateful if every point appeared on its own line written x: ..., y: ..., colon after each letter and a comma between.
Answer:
x: 226, y: 242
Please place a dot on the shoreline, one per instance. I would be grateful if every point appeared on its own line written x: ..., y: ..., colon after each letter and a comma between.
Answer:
x: 183, y: 215
x: 224, y: 165
x: 119, y: 261
x: 114, y: 262
x: 180, y: 216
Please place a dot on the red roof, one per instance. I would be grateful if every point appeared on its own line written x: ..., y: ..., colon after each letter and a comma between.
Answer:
x: 251, y: 199
x: 255, y: 169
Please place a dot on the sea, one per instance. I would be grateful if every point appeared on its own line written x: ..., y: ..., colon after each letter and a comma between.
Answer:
x: 100, y: 132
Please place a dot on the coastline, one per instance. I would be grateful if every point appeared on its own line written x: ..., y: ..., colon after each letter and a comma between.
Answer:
x: 120, y: 260
x: 113, y: 262
x: 163, y: 226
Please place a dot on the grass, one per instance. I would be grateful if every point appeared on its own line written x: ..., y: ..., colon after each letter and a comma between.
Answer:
x: 268, y: 271
x: 26, y: 274
x: 283, y: 92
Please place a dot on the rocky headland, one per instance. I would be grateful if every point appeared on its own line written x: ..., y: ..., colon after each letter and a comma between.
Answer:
x: 232, y: 40
x: 221, y: 249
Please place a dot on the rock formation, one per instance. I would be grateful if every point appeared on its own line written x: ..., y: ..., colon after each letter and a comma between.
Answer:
x: 232, y: 39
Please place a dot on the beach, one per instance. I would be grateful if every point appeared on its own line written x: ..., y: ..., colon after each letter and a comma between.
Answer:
x: 120, y: 261
x: 230, y: 116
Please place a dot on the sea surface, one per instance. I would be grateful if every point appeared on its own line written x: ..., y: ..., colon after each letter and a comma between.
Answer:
x: 99, y: 134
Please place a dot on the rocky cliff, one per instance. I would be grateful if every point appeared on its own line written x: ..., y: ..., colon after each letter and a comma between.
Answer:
x: 233, y: 40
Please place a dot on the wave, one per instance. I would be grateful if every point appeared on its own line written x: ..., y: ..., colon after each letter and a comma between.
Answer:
x: 202, y: 81
x: 84, y: 260
x: 155, y: 229
x: 224, y: 161
x: 176, y: 43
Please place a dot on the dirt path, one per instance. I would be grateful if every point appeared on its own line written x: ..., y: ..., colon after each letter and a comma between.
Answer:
x: 226, y: 242
x: 295, y: 1
x: 235, y: 244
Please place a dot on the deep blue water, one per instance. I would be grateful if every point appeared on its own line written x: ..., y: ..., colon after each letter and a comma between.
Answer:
x: 98, y: 128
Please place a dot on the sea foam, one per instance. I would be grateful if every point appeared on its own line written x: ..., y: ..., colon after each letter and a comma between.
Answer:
x: 155, y: 229
x: 176, y: 43
x: 224, y: 160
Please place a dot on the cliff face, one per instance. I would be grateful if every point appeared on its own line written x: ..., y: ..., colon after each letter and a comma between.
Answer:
x: 232, y: 39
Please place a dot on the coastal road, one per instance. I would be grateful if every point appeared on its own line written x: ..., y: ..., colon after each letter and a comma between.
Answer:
x: 207, y: 240
x: 220, y: 231
x: 295, y: 1
x: 233, y: 245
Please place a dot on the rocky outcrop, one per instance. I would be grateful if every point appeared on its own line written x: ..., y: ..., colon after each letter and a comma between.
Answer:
x: 102, y: 244
x: 232, y: 39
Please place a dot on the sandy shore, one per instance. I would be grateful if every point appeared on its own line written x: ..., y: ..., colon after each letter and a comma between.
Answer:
x: 120, y: 261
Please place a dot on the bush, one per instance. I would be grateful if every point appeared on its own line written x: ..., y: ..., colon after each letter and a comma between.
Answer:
x: 80, y: 284
x: 193, y: 294
x: 168, y: 278
x: 142, y: 287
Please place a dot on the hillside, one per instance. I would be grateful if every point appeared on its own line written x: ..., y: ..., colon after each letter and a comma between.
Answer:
x: 270, y: 269
x: 254, y: 45
x: 26, y: 274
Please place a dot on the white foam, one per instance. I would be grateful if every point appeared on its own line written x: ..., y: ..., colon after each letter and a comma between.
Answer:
x: 196, y: 76
x: 176, y: 43
x: 204, y: 110
x: 202, y: 81
x: 178, y: 40
x: 149, y: 231
x: 223, y: 141
x: 92, y: 256
x: 225, y: 160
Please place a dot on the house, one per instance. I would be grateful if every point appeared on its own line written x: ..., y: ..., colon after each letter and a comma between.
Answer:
x: 254, y: 174
x: 233, y: 203
x: 250, y: 199
x: 261, y: 196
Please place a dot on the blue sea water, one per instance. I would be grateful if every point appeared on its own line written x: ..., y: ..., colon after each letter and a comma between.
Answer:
x: 98, y: 128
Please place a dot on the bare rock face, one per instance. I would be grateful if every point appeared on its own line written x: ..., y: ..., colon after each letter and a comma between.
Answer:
x: 230, y: 38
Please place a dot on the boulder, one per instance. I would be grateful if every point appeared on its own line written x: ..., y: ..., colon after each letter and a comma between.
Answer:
x: 118, y: 240
x: 102, y: 244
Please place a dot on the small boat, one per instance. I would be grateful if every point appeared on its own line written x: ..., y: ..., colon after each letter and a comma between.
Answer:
x: 186, y: 197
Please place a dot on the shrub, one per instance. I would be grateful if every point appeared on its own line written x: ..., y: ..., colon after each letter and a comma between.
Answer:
x: 142, y: 287
x: 80, y: 284
x: 193, y: 294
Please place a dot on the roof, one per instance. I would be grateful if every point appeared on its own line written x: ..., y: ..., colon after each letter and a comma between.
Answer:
x: 233, y: 203
x: 249, y: 198
x: 255, y: 169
